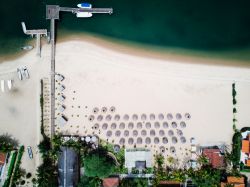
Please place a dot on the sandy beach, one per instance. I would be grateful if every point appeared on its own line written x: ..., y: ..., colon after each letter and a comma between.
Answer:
x: 99, y: 74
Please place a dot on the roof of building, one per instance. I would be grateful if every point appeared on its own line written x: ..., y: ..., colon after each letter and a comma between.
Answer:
x: 169, y: 184
x: 214, y: 156
x: 68, y: 167
x: 245, y: 146
x: 131, y: 156
x: 236, y: 181
x: 110, y: 182
x: 2, y: 158
x: 248, y: 163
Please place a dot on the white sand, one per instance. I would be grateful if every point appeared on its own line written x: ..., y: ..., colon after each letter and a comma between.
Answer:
x: 102, y: 77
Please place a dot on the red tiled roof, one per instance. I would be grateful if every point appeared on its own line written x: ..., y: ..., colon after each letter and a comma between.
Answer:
x: 245, y: 146
x: 110, y: 182
x: 214, y: 156
x: 248, y: 163
x: 2, y: 158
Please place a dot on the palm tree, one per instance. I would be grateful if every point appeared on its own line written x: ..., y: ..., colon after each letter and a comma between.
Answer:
x: 7, y: 143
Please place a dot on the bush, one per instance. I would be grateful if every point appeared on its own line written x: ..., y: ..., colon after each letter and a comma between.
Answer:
x: 244, y: 129
x: 18, y: 172
x: 234, y: 110
x: 11, y: 167
x: 28, y: 175
x: 234, y: 101
x: 236, y: 149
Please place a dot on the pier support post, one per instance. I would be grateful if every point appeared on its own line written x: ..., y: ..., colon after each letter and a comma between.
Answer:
x: 38, y: 45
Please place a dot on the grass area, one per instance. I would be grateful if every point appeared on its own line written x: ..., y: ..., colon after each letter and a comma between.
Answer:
x: 11, y: 168
x: 17, y: 172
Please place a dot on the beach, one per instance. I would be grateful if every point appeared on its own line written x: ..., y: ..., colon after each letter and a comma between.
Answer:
x: 101, y: 74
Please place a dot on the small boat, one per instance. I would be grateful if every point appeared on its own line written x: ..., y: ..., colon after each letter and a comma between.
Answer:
x: 84, y: 5
x: 2, y: 86
x: 27, y: 47
x: 9, y: 83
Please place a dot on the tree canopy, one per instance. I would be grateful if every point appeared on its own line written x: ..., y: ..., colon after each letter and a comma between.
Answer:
x: 98, y: 165
x: 137, y: 182
x: 7, y: 143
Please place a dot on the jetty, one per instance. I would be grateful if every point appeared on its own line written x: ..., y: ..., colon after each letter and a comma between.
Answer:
x: 52, y: 14
x: 38, y: 33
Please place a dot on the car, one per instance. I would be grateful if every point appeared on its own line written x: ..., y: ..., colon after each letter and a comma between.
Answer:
x: 30, y: 152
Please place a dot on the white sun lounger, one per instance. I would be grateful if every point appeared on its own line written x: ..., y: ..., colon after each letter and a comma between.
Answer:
x: 9, y: 83
x: 2, y: 86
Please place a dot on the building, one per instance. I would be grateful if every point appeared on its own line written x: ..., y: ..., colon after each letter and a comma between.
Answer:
x: 235, y: 181
x: 110, y: 182
x: 245, y: 148
x: 214, y: 155
x: 3, y: 157
x: 139, y: 159
x: 68, y: 167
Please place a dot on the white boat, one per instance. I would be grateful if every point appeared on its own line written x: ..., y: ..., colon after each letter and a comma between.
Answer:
x: 2, y: 86
x: 84, y: 5
x: 19, y: 74
x: 9, y: 83
x: 27, y: 47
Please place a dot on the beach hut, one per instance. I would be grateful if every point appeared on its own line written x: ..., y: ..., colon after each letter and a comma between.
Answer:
x: 61, y: 98
x: 61, y: 88
x: 93, y: 139
x: 87, y: 139
x: 61, y: 108
x: 3, y: 85
x: 59, y: 77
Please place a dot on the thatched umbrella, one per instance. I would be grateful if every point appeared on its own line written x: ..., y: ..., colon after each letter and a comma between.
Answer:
x: 117, y: 117
x: 139, y: 125
x: 165, y: 140
x: 131, y: 125
x: 122, y: 141
x: 112, y: 109
x: 152, y: 132
x: 95, y: 110
x: 104, y: 109
x: 179, y: 132
x: 130, y: 141
x: 104, y: 126
x: 135, y: 117
x: 183, y: 124
x: 139, y: 140
x: 170, y: 133
x: 126, y: 133
x: 148, y: 125
x: 157, y: 125
x: 147, y: 140
x: 178, y: 116
x: 143, y: 117
x: 174, y: 140
x: 172, y: 150
x: 187, y: 116
x: 174, y: 124
x: 165, y: 124
x: 91, y: 118
x: 161, y: 133
x: 162, y: 149
x: 152, y: 117
x: 108, y: 117
x: 117, y: 133
x: 135, y: 132
x: 143, y: 133
x: 109, y: 133
x: 183, y: 139
x: 122, y: 126
x: 169, y: 116
x: 113, y: 126
x: 161, y: 117
x: 156, y: 140
x: 99, y: 118
x: 126, y: 117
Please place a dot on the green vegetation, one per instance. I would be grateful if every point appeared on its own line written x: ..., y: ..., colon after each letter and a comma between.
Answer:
x: 18, y: 172
x: 134, y: 182
x: 10, y: 170
x: 47, y: 171
x: 236, y: 149
x: 99, y: 164
x: 7, y: 143
x: 89, y: 181
x: 234, y: 93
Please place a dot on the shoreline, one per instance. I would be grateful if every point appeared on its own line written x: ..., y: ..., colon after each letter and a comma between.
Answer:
x: 184, y: 56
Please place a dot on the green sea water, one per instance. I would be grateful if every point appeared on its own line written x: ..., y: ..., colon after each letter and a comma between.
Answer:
x: 207, y: 25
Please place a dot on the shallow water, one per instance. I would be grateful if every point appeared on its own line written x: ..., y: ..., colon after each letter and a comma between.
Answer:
x: 207, y: 25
